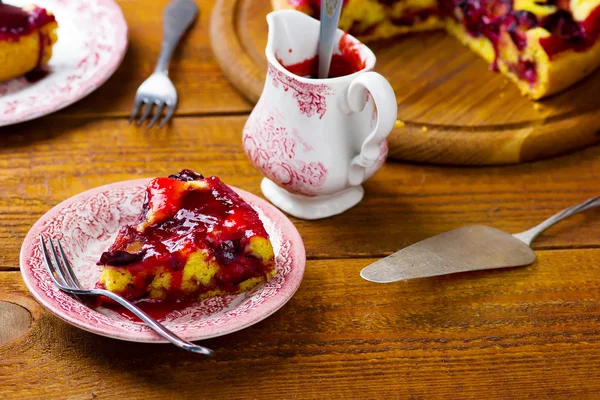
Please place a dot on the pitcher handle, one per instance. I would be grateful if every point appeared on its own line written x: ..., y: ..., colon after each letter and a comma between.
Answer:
x: 387, y: 112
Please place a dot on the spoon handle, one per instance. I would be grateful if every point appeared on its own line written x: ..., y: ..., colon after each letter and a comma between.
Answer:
x: 529, y: 235
x: 330, y: 18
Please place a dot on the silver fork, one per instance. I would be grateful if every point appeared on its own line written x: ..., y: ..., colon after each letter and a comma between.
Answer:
x: 158, y: 90
x: 62, y: 274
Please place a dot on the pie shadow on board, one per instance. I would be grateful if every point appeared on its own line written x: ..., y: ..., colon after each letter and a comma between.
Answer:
x: 453, y: 109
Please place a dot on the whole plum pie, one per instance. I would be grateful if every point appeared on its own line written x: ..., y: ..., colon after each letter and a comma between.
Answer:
x: 544, y: 46
x: 26, y: 39
x: 195, y: 238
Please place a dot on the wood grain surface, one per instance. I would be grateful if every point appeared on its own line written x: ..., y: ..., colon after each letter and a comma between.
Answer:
x: 453, y: 109
x: 16, y: 321
x: 523, y: 333
x: 508, y: 334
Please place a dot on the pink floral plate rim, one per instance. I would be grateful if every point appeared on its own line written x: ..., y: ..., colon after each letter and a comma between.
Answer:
x: 91, y: 46
x: 87, y: 223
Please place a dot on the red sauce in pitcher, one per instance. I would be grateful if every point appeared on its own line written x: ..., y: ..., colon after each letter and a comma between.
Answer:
x: 346, y: 62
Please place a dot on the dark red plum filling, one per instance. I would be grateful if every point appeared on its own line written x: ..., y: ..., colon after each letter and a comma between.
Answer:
x: 491, y: 18
x: 14, y: 22
x: 495, y: 20
x: 568, y: 33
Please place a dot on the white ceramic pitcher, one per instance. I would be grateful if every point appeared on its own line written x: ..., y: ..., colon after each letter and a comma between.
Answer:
x: 317, y: 140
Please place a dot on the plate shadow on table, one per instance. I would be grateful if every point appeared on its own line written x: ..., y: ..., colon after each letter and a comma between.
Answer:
x: 44, y: 129
x: 259, y: 341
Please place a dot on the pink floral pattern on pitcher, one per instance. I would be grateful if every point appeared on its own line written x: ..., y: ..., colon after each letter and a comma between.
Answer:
x: 272, y: 148
x: 311, y: 98
x: 383, y: 153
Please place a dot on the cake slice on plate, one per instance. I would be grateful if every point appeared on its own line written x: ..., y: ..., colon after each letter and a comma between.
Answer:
x: 195, y: 238
x: 26, y: 39
x: 544, y: 46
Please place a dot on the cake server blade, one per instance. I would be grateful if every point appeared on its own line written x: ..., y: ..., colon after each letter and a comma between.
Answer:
x: 470, y: 248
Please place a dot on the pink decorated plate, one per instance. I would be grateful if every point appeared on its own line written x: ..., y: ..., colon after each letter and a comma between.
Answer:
x: 88, y: 223
x: 92, y: 40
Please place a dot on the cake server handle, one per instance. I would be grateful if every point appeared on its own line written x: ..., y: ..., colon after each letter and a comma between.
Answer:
x: 529, y: 235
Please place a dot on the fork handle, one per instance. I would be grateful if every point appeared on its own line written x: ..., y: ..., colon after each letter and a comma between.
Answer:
x: 178, y: 17
x: 154, y: 324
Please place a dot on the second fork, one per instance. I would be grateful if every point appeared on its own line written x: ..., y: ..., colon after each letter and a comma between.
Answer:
x: 158, y: 90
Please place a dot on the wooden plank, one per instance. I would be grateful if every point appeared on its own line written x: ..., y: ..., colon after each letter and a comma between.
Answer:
x: 201, y: 86
x: 41, y: 165
x: 16, y: 321
x: 522, y: 333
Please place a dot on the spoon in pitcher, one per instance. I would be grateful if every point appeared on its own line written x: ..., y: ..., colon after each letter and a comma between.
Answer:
x: 330, y: 18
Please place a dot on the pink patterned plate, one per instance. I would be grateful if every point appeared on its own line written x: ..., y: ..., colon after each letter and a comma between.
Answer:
x: 92, y: 40
x: 88, y: 223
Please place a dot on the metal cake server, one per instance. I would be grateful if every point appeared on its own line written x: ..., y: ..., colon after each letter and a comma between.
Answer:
x: 330, y: 18
x: 470, y: 248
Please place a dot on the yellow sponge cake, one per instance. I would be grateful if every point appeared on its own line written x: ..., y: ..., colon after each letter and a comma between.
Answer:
x: 26, y: 39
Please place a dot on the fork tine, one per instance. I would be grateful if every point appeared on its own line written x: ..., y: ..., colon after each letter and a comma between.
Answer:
x: 68, y: 266
x: 159, y: 109
x: 147, y: 110
x: 60, y: 269
x: 136, y: 109
x: 170, y: 112
x: 49, y: 266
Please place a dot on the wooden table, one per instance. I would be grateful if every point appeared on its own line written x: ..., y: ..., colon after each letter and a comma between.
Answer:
x: 529, y: 332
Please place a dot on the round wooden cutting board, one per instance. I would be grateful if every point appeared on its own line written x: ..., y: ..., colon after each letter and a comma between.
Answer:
x: 452, y: 108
